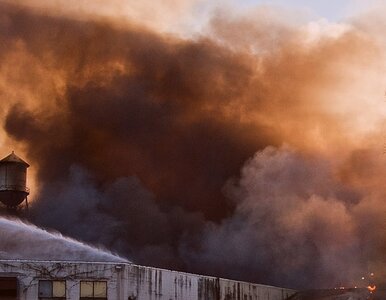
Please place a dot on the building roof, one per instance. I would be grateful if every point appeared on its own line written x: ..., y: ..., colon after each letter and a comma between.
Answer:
x: 13, y: 158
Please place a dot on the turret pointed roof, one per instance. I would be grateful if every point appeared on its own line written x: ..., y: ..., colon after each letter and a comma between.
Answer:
x: 13, y: 158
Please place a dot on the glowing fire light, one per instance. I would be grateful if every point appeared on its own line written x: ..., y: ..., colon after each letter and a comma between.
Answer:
x: 371, y: 288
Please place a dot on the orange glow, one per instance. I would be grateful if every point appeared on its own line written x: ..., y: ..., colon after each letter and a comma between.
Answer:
x: 371, y: 288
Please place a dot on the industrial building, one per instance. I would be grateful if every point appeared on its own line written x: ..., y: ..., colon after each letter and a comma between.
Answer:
x: 74, y: 280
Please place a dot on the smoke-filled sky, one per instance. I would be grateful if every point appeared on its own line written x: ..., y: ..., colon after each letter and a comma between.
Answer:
x: 331, y: 10
x: 243, y: 141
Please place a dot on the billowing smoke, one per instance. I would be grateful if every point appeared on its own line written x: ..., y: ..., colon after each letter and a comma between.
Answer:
x: 122, y: 215
x: 25, y: 241
x: 137, y: 139
x: 291, y: 214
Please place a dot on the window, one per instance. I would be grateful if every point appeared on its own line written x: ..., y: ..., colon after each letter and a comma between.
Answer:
x: 52, y: 289
x: 8, y: 288
x: 95, y: 290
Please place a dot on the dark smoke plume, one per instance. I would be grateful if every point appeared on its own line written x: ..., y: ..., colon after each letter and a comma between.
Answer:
x: 137, y: 139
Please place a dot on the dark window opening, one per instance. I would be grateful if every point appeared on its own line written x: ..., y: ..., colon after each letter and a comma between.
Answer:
x: 8, y: 288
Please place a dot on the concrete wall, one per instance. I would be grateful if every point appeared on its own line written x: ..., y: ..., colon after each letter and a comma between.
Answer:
x: 129, y: 282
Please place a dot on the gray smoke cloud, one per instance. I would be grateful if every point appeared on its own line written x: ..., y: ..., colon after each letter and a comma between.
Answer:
x: 122, y: 215
x: 294, y: 224
x: 133, y: 134
x: 20, y: 240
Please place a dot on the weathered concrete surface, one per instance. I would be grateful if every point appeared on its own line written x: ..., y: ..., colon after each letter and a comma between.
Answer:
x: 127, y: 281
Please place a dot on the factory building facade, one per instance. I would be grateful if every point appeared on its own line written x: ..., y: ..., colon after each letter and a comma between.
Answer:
x: 60, y: 280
